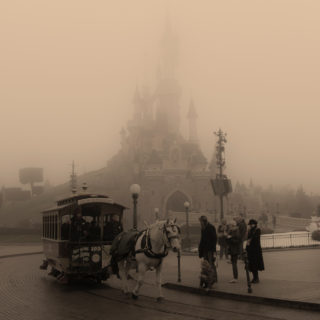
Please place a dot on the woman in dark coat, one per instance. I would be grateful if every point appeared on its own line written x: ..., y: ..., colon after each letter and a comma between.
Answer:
x: 254, y: 250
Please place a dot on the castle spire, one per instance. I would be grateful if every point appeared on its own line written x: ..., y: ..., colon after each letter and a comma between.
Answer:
x: 167, y: 93
x: 192, y: 116
x: 136, y: 96
x: 137, y: 104
x: 169, y: 50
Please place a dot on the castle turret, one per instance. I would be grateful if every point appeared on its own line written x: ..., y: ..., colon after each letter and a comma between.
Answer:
x: 168, y: 91
x: 192, y: 117
x: 137, y: 105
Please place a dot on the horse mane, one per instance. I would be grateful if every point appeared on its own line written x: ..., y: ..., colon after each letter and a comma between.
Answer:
x: 159, y: 223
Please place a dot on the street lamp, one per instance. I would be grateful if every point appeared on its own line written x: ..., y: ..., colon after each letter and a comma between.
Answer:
x: 156, y: 212
x: 135, y: 190
x: 187, y: 205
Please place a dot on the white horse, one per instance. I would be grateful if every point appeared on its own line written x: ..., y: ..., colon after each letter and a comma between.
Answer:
x: 151, y: 248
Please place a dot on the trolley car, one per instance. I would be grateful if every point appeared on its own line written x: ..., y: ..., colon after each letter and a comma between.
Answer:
x: 77, y: 235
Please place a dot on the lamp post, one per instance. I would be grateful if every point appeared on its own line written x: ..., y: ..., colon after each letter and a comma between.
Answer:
x: 156, y: 213
x: 135, y: 190
x: 221, y: 185
x: 187, y: 205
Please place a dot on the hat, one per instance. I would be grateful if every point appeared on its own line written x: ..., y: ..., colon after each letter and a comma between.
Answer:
x: 252, y: 221
x: 203, y: 218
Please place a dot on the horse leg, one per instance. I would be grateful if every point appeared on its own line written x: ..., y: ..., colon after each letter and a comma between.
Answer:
x: 158, y: 282
x: 142, y: 270
x: 123, y: 275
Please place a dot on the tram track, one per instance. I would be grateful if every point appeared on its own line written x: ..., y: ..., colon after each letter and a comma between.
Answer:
x: 215, y: 309
x: 161, y: 307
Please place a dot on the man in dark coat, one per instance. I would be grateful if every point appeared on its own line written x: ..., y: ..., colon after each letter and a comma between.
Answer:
x: 254, y: 250
x: 79, y: 228
x: 112, y: 228
x: 208, y: 242
x: 234, y: 240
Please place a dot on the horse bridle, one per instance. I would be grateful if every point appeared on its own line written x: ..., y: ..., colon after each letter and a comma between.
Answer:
x: 168, y: 237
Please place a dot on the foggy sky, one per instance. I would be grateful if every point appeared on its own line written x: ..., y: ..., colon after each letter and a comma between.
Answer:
x: 69, y: 68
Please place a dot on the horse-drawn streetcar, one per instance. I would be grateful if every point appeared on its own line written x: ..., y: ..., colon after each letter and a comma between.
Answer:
x: 77, y: 234
x: 83, y: 238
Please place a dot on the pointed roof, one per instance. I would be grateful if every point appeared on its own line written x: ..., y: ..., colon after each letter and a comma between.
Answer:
x: 169, y: 57
x: 192, y: 111
x: 136, y: 96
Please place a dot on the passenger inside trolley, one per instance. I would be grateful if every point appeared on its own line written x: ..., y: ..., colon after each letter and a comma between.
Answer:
x: 112, y: 227
x: 86, y: 228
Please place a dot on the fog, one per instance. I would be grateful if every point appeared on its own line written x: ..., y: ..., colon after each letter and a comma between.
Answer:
x: 69, y: 68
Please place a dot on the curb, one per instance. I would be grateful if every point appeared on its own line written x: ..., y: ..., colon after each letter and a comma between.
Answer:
x: 20, y: 254
x: 311, y: 247
x: 301, y: 305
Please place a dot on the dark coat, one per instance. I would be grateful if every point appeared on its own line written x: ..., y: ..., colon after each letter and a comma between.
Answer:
x: 208, y: 240
x: 222, y: 234
x: 254, y: 250
x: 78, y: 228
x: 233, y: 241
x: 111, y: 230
x: 242, y: 230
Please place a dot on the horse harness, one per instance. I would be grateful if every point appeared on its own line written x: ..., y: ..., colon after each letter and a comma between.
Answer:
x: 146, y: 246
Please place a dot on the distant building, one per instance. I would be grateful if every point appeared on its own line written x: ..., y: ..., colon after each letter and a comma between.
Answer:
x: 14, y: 195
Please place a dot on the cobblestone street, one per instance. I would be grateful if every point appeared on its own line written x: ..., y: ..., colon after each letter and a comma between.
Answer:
x: 28, y: 293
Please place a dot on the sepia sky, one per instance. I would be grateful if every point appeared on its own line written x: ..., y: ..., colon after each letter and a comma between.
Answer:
x: 69, y: 68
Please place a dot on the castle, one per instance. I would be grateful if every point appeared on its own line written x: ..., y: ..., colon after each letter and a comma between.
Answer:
x: 169, y: 168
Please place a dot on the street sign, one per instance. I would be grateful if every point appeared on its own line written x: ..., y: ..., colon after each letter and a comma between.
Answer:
x: 221, y: 187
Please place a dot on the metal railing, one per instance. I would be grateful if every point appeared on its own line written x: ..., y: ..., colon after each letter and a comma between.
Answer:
x: 288, y: 240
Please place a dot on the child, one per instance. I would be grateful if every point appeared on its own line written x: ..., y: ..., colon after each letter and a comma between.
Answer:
x: 207, y: 276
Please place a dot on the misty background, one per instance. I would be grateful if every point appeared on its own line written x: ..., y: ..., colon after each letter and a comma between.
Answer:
x: 68, y: 71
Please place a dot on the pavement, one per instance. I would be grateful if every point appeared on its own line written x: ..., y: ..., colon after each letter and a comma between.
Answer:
x: 291, y: 278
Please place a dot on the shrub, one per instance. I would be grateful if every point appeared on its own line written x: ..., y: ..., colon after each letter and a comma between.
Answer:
x: 316, y: 235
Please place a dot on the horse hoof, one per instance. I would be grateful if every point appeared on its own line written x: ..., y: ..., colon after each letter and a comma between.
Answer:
x: 160, y: 299
x: 134, y: 296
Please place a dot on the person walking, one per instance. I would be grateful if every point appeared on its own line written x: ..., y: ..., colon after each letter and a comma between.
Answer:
x: 222, y: 238
x: 242, y: 232
x: 208, y: 242
x: 234, y: 240
x: 254, y: 251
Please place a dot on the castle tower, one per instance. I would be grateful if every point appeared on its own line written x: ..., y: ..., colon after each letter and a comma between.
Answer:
x: 192, y: 117
x: 137, y: 105
x: 167, y: 93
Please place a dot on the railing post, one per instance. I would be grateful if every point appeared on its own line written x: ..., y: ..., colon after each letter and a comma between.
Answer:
x: 290, y: 240
x: 273, y: 241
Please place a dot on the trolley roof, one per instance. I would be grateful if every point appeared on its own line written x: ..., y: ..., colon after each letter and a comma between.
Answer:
x: 81, y: 199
